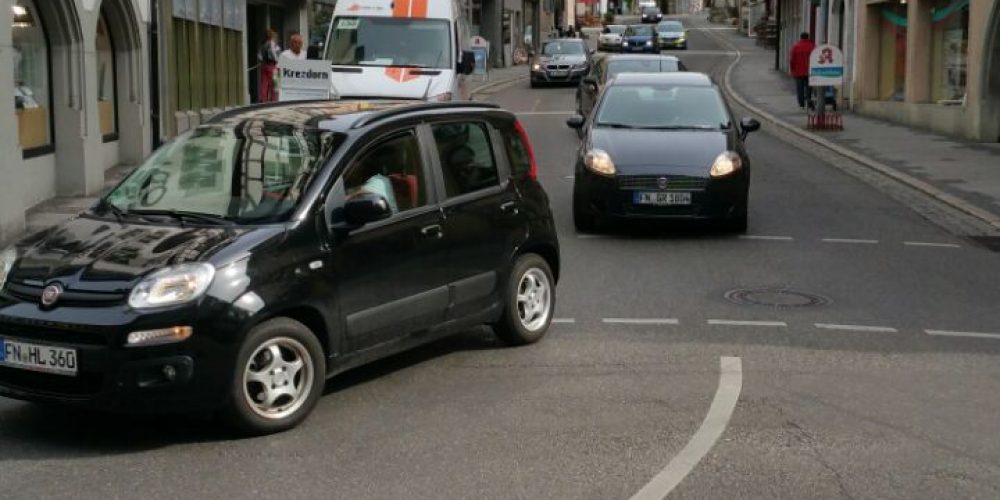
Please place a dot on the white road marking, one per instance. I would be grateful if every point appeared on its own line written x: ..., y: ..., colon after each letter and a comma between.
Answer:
x: 978, y: 335
x: 762, y: 237
x: 930, y: 244
x: 726, y: 396
x: 563, y: 320
x: 641, y: 321
x: 849, y: 240
x: 542, y: 113
x: 592, y: 236
x: 856, y: 328
x: 736, y: 322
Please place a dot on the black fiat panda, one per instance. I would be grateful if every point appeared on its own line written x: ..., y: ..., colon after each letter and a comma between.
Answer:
x: 275, y: 246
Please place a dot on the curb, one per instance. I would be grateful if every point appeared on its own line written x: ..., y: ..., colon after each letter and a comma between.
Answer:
x: 491, y: 86
x: 946, y: 198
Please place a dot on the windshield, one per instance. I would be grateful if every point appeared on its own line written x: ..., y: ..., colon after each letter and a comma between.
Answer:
x: 616, y: 29
x: 640, y: 30
x: 258, y: 173
x: 388, y: 41
x: 672, y: 27
x: 662, y: 106
x: 563, y: 48
x: 644, y: 65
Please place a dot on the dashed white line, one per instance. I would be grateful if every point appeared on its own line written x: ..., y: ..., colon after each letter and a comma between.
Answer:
x: 850, y: 240
x: 949, y: 333
x: 726, y: 396
x: 563, y: 320
x: 735, y: 322
x: 641, y: 321
x: 856, y: 328
x: 930, y: 244
x: 763, y: 237
x: 592, y: 236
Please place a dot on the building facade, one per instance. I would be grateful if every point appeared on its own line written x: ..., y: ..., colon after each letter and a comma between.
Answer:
x: 80, y: 78
x: 933, y: 64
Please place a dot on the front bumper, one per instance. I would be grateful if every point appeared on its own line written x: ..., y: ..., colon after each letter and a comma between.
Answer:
x: 612, y: 197
x: 114, y: 377
x: 673, y: 43
x: 545, y: 75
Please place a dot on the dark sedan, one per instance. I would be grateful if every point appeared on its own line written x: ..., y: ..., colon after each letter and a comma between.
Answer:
x: 651, y: 14
x: 562, y: 60
x: 640, y: 38
x: 662, y: 146
x: 607, y: 67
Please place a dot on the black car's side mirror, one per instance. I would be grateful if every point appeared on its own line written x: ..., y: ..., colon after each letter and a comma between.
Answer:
x: 748, y: 125
x: 575, y: 121
x: 365, y: 208
x: 467, y: 63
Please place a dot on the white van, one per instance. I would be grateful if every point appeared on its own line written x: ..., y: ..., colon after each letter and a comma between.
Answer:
x: 410, y: 49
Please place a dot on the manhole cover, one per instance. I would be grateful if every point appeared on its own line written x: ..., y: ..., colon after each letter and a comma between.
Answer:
x: 775, y: 297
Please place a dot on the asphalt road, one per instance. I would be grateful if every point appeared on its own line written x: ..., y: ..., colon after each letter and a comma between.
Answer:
x: 842, y: 393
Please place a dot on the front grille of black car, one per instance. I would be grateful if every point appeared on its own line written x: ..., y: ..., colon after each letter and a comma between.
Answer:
x: 31, y: 293
x: 557, y: 66
x: 52, y: 332
x: 652, y: 183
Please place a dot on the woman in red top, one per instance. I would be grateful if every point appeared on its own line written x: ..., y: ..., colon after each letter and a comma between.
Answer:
x: 799, y: 66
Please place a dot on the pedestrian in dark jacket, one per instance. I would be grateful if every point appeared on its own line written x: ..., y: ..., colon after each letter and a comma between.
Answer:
x: 799, y: 67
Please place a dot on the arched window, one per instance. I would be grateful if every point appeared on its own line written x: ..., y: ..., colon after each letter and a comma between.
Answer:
x: 107, y: 95
x: 32, y: 80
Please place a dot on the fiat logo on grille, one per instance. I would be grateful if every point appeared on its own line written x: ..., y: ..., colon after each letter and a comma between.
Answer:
x: 51, y: 294
x: 661, y: 183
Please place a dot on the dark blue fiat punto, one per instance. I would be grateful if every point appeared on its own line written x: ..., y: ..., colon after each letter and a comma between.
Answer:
x: 273, y: 247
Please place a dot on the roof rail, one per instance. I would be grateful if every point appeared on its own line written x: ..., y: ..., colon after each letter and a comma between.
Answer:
x: 225, y: 115
x: 423, y: 106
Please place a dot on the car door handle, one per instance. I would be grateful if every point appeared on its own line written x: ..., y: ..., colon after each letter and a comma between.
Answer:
x: 509, y: 208
x: 432, y: 231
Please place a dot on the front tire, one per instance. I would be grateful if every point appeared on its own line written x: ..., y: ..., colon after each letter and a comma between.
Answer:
x: 278, y: 378
x: 529, y: 302
x: 739, y: 221
x: 583, y: 218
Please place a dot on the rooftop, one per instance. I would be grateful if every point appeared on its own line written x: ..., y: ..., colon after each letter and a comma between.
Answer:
x: 678, y: 78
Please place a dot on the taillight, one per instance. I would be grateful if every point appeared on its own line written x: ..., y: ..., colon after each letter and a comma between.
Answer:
x: 533, y: 172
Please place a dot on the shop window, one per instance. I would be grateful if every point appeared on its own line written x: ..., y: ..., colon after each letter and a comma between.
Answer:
x: 106, y: 85
x: 320, y: 16
x: 892, y: 52
x: 949, y: 50
x: 32, y: 92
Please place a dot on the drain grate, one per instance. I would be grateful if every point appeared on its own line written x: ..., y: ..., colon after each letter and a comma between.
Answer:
x: 988, y: 242
x: 775, y: 297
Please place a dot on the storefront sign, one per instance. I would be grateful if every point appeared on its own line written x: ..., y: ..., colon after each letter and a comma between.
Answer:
x: 826, y: 66
x: 211, y: 12
x: 303, y: 80
x: 186, y: 9
x: 234, y: 14
x: 481, y: 50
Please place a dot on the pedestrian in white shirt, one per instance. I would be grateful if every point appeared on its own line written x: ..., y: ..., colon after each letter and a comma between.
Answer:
x: 295, y: 48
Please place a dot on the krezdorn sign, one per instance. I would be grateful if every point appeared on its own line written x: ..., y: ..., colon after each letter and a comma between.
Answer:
x: 303, y: 80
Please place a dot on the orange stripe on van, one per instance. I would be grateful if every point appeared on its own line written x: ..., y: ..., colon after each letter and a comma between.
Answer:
x: 401, y: 8
x: 418, y: 8
x: 401, y: 75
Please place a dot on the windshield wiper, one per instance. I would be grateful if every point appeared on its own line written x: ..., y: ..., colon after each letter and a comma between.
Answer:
x: 182, y: 215
x: 679, y: 127
x: 614, y: 125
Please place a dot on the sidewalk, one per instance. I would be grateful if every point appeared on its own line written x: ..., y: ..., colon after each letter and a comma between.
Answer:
x: 967, y: 174
x: 497, y: 77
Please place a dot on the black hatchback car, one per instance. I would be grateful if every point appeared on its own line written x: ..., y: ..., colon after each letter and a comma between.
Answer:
x: 662, y: 146
x: 245, y: 263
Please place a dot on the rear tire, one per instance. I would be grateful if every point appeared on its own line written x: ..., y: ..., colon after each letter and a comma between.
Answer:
x: 529, y: 302
x: 279, y: 375
x: 534, y: 84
